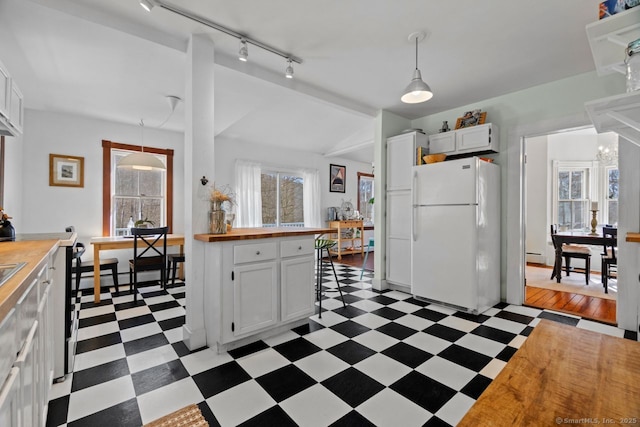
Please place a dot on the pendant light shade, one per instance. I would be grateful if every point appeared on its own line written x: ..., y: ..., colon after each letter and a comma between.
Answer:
x: 144, y: 161
x: 417, y: 91
x: 141, y: 161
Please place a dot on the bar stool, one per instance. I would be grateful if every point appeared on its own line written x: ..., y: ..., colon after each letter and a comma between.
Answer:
x: 172, y: 261
x: 325, y: 245
x: 369, y: 246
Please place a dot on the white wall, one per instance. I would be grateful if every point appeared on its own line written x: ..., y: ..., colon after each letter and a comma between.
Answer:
x: 537, y: 190
x: 13, y: 185
x: 227, y: 152
x: 50, y: 209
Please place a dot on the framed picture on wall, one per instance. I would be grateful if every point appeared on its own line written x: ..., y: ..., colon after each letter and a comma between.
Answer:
x: 66, y: 171
x: 337, y: 178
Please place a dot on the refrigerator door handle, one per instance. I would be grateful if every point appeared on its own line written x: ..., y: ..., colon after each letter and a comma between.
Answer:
x: 414, y: 188
x: 414, y: 226
x: 414, y: 192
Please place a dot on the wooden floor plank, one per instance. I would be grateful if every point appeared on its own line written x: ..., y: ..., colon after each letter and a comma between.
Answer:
x: 599, y: 309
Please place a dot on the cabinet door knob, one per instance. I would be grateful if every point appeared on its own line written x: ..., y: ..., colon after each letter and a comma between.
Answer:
x: 52, y: 268
x: 257, y: 252
x: 46, y: 282
x: 299, y: 248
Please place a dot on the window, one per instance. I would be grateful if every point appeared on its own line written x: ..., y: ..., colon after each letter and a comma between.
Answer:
x: 365, y: 195
x: 132, y: 193
x: 572, y: 194
x: 282, y: 199
x: 612, y: 175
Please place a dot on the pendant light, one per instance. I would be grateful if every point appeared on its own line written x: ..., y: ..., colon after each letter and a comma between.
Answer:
x: 141, y: 161
x: 417, y: 91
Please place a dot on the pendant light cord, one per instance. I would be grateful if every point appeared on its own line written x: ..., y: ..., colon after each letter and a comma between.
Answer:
x: 416, y: 52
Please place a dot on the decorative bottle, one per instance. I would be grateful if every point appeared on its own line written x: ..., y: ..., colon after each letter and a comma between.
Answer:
x: 130, y: 225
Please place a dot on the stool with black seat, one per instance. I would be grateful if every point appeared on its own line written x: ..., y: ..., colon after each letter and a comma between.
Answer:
x: 149, y: 254
x: 325, y: 245
x: 366, y: 255
x: 608, y: 257
x: 172, y: 261
x: 87, y: 266
x: 572, y: 251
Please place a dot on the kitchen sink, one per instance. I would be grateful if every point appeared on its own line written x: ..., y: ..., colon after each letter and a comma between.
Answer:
x: 8, y: 270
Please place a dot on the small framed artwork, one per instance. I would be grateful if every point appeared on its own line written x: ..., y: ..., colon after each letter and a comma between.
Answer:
x: 66, y: 171
x: 471, y: 118
x: 337, y: 178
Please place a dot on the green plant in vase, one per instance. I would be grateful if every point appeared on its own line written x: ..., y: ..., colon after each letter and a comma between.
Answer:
x: 143, y: 223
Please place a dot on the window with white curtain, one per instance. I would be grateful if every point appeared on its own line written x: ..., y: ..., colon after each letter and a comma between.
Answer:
x: 282, y: 199
x: 610, y: 208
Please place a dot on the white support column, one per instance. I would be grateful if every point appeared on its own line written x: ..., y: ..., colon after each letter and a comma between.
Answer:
x: 199, y: 161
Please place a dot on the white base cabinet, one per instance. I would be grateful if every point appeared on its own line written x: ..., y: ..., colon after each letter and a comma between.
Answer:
x: 257, y: 287
x: 10, y: 399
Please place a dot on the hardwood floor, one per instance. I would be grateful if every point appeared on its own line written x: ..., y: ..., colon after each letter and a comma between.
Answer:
x: 589, y: 307
x: 355, y: 260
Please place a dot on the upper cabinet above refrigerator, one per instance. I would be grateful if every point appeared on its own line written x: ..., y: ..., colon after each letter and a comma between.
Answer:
x: 11, y: 105
x: 480, y: 139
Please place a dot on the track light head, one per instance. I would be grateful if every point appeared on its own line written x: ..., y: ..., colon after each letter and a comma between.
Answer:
x: 243, y: 53
x: 147, y: 5
x: 288, y: 73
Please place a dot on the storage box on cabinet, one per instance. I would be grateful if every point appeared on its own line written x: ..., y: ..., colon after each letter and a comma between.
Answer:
x: 466, y: 141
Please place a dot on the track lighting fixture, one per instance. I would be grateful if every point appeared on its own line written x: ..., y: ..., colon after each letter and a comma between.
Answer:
x: 146, y: 5
x: 243, y: 53
x: 417, y: 91
x: 288, y: 73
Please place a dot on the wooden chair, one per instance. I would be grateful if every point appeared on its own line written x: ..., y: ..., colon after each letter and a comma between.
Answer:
x: 80, y: 266
x: 149, y: 254
x: 172, y: 261
x: 572, y: 251
x: 609, y: 259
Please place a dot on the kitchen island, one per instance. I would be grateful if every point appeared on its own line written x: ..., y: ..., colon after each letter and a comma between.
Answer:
x: 258, y: 282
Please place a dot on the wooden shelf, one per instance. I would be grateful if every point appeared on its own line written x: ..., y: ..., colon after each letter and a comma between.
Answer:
x: 339, y: 227
x: 619, y: 113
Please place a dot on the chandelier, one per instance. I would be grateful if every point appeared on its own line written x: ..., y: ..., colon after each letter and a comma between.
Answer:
x: 607, y: 154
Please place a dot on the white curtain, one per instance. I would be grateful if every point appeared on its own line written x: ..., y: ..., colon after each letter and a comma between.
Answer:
x: 248, y: 194
x: 311, y: 199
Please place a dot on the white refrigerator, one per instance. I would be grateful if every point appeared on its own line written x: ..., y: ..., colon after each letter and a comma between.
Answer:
x: 455, y: 245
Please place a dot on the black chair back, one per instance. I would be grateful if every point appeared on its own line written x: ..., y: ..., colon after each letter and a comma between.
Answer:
x: 554, y: 230
x: 78, y: 248
x: 612, y: 242
x: 149, y: 251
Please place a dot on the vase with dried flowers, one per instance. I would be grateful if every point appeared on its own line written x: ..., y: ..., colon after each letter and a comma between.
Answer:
x: 7, y: 232
x: 219, y: 197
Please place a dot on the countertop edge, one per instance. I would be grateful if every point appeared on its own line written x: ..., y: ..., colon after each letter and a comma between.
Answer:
x: 260, y: 233
x: 12, y: 290
x: 633, y: 237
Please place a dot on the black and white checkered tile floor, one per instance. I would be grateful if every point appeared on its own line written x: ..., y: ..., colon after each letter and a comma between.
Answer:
x: 385, y: 359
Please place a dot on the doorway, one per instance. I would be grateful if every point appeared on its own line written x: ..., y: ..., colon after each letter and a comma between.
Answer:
x: 564, y: 173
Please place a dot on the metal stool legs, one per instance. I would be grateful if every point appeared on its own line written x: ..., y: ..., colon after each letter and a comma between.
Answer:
x: 319, y: 274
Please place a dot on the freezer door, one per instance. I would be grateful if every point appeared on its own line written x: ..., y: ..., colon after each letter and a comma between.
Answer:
x: 444, y: 255
x: 446, y: 183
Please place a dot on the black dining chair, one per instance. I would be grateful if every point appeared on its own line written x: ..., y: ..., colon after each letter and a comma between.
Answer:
x: 80, y: 266
x: 149, y: 254
x: 569, y: 252
x: 609, y: 259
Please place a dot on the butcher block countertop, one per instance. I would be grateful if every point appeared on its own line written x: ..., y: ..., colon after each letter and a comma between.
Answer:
x: 31, y: 252
x: 633, y: 237
x: 260, y: 233
x: 564, y: 375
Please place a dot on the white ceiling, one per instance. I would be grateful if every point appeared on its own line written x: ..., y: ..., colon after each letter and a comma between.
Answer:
x: 111, y: 59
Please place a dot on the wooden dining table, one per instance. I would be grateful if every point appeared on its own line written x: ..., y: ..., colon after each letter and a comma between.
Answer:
x: 577, y: 237
x: 120, y: 242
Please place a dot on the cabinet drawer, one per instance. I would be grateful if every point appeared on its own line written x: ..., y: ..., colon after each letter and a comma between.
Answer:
x: 351, y: 224
x: 27, y: 311
x: 8, y: 344
x: 254, y: 252
x: 296, y: 247
x: 442, y: 143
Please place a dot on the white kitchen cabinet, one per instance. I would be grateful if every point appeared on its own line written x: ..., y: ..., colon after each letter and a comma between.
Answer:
x: 471, y: 140
x: 257, y: 287
x: 16, y: 116
x: 5, y: 92
x: 401, y: 156
x: 11, y: 105
x: 10, y: 399
x: 609, y: 37
x: 28, y: 362
x: 255, y: 297
x: 296, y: 270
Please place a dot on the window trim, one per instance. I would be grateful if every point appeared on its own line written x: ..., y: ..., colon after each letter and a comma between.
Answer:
x: 605, y: 192
x: 107, y: 146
